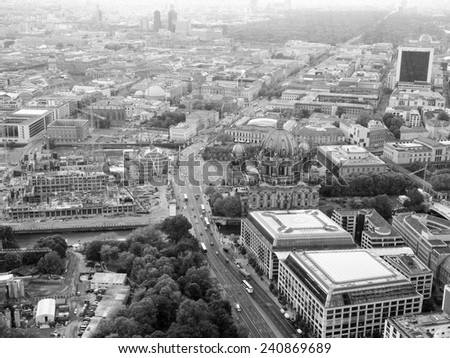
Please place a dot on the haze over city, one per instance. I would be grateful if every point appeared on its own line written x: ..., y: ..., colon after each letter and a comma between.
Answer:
x: 225, y: 169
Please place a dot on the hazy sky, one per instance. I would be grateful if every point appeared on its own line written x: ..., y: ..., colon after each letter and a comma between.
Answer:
x: 149, y: 4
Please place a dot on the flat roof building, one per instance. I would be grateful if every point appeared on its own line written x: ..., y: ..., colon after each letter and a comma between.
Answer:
x: 271, y: 235
x: 430, y: 325
x: 344, y: 160
x: 346, y: 293
x: 108, y: 279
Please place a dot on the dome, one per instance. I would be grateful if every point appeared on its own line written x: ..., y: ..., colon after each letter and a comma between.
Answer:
x: 238, y: 150
x: 279, y: 142
x: 262, y: 122
x: 139, y: 93
x: 304, y: 147
x: 425, y: 38
x: 155, y: 91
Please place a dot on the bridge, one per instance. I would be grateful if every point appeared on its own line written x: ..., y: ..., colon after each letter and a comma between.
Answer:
x: 23, y: 251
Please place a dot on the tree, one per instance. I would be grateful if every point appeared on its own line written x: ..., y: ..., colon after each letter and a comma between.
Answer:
x: 363, y: 119
x: 383, y: 206
x: 7, y: 237
x: 210, y: 189
x: 51, y: 264
x: 223, y: 137
x: 56, y: 243
x: 232, y: 206
x: 109, y: 253
x: 443, y: 116
x: 12, y: 261
x: 339, y: 111
x: 415, y: 201
x: 337, y: 124
x: 175, y: 227
x: 93, y: 249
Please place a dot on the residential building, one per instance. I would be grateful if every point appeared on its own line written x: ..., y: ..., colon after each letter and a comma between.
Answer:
x: 337, y: 300
x: 270, y: 236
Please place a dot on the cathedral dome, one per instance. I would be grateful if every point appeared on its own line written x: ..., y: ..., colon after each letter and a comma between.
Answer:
x: 238, y: 150
x: 279, y: 142
x: 304, y: 147
x: 155, y: 91
x: 425, y: 38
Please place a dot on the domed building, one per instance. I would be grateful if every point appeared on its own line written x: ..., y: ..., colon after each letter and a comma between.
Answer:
x: 279, y: 156
x: 275, y: 183
x: 155, y: 93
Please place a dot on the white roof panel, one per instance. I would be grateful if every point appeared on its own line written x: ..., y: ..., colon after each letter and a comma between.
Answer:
x: 350, y: 266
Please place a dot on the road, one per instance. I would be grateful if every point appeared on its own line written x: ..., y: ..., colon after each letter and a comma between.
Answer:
x: 259, y: 313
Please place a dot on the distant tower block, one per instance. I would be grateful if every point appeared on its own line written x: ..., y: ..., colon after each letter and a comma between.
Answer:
x: 157, y: 24
x: 17, y: 318
x: 414, y: 64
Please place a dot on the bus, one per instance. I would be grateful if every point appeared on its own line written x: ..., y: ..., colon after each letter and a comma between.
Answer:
x: 203, y: 246
x: 244, y: 273
x: 206, y: 221
x: 247, y: 286
x: 203, y: 208
x: 185, y: 197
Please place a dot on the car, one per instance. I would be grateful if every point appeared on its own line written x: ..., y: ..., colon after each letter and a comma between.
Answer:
x: 238, y: 307
x: 226, y: 260
x: 217, y: 252
x: 212, y: 243
x: 75, y: 311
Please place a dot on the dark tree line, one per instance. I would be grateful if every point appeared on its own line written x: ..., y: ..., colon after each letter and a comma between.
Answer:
x: 369, y: 185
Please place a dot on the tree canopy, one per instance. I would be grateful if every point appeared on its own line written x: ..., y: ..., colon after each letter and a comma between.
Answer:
x: 176, y: 227
x: 174, y: 295
x: 56, y: 243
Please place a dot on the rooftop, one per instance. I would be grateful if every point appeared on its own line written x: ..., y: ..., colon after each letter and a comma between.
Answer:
x: 419, y: 326
x: 339, y: 266
x: 109, y: 278
x: 299, y: 228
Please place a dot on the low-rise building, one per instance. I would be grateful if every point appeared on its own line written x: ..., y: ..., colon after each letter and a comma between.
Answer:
x: 319, y: 135
x: 372, y: 136
x: 182, y: 132
x: 104, y: 280
x: 68, y: 130
x: 345, y: 293
x: 427, y: 325
x: 344, y: 160
x: 421, y: 150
